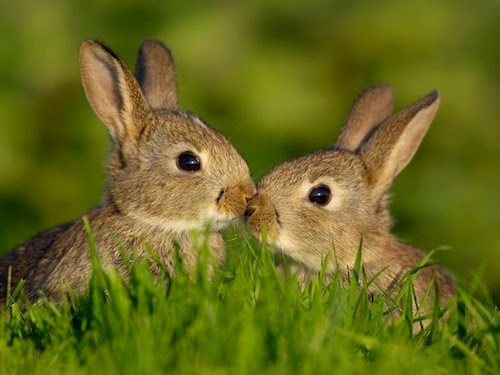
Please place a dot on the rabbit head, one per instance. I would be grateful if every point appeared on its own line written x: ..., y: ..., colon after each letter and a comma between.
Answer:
x: 167, y: 168
x: 322, y: 204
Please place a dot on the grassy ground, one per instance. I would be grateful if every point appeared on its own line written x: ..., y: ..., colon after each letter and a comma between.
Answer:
x: 245, y: 321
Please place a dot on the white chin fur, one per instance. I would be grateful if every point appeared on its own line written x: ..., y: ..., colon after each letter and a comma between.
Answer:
x: 173, y: 225
x: 217, y: 220
x: 289, y: 248
x: 213, y: 220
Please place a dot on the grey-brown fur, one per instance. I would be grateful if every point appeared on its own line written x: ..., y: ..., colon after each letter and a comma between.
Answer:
x: 374, y: 146
x: 149, y: 202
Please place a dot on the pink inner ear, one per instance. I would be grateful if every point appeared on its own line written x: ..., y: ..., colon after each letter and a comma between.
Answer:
x: 108, y: 85
x: 107, y: 101
x: 410, y: 140
x: 103, y: 76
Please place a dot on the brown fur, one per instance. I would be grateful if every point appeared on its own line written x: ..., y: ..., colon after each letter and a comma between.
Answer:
x: 149, y: 202
x: 372, y: 149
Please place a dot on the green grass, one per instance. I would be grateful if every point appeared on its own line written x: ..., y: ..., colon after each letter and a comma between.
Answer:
x: 244, y: 320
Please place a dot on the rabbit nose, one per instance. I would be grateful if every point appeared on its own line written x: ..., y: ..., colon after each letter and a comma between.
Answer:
x: 249, y: 212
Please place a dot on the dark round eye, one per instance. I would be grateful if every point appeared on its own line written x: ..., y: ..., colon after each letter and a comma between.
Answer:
x: 320, y: 195
x: 187, y: 161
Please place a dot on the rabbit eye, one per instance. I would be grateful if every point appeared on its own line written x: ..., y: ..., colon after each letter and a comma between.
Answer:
x: 320, y: 195
x: 187, y: 161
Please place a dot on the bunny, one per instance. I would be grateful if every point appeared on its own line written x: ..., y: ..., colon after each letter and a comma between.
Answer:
x: 169, y: 174
x: 321, y: 205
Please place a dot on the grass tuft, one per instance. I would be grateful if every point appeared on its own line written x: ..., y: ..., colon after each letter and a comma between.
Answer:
x: 243, y: 318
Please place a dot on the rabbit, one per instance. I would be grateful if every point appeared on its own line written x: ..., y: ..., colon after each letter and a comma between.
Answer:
x: 319, y: 206
x: 169, y: 174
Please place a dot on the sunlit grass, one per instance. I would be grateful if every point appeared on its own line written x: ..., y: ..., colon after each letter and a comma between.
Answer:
x: 242, y: 319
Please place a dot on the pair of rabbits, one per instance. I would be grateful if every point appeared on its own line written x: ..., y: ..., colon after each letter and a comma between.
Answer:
x: 170, y: 174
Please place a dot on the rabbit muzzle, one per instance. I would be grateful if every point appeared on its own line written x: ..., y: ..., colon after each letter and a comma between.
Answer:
x: 260, y: 214
x: 232, y: 201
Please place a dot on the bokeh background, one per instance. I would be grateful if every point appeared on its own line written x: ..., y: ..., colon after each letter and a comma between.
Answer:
x: 278, y: 78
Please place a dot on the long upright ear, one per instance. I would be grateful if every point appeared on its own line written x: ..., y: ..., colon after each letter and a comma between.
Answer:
x: 113, y: 92
x: 370, y: 108
x: 155, y: 71
x: 393, y: 144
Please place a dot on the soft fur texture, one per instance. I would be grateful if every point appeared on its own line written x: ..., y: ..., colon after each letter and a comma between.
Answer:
x: 373, y: 147
x: 149, y: 202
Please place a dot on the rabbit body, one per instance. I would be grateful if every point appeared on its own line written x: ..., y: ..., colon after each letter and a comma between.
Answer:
x: 321, y: 205
x: 169, y: 174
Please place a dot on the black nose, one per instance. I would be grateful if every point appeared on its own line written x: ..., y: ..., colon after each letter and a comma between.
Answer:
x: 249, y: 212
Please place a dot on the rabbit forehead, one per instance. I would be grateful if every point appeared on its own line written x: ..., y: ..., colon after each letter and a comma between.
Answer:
x: 184, y: 127
x: 321, y: 167
x: 179, y: 131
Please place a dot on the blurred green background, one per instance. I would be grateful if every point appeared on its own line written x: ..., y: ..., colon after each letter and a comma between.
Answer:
x: 278, y: 79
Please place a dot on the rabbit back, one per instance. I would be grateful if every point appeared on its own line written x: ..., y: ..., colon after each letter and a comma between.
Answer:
x: 28, y: 257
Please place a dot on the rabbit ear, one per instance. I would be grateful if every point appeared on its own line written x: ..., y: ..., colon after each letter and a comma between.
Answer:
x: 113, y: 92
x: 392, y: 145
x: 370, y: 108
x: 154, y: 69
